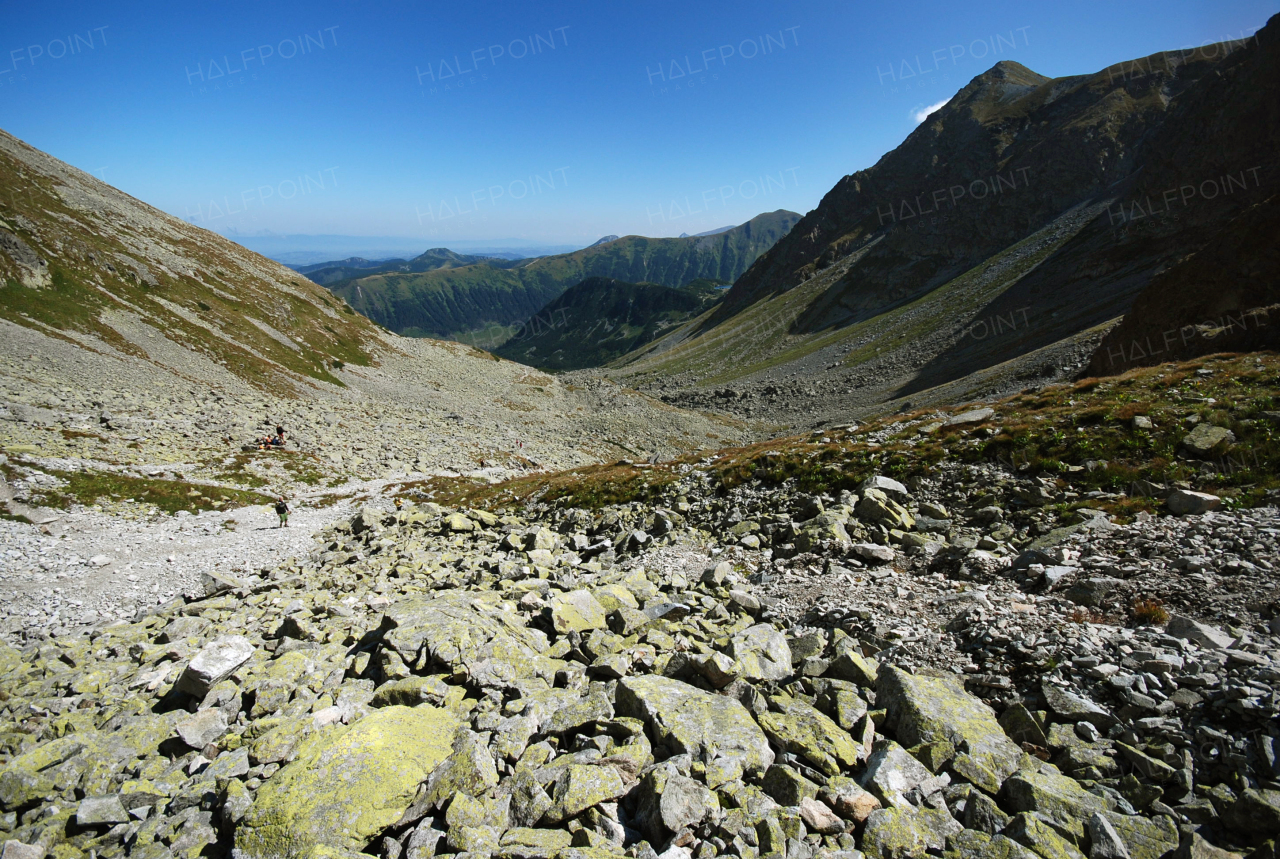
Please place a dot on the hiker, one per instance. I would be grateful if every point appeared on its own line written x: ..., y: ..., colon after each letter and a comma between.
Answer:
x: 282, y: 510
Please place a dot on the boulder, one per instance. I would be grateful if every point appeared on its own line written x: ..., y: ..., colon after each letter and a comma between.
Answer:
x: 1054, y: 798
x: 684, y: 720
x: 762, y: 653
x: 577, y: 611
x: 888, y: 486
x: 849, y: 800
x: 104, y: 811
x: 1206, y: 439
x: 873, y: 553
x: 668, y: 802
x: 973, y: 416
x: 1140, y: 837
x: 1076, y: 708
x: 474, y: 636
x: 879, y: 508
x: 579, y: 787
x: 934, y: 709
x: 214, y: 663
x: 892, y: 773
x: 802, y: 730
x: 1189, y: 629
x: 202, y: 727
x: 1030, y: 830
x: 892, y: 833
x: 1184, y: 502
x: 348, y: 785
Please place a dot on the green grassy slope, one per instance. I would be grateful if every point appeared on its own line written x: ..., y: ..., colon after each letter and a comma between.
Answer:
x: 599, y: 319
x: 104, y: 255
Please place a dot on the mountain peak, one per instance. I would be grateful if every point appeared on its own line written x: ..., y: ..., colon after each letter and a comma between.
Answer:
x: 603, y: 240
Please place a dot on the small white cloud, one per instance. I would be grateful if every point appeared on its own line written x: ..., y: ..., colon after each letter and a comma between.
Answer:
x: 920, y: 113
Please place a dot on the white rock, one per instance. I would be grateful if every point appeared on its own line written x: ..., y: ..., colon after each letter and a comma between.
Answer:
x: 214, y: 663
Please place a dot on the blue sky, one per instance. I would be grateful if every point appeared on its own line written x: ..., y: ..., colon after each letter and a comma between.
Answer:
x: 548, y: 122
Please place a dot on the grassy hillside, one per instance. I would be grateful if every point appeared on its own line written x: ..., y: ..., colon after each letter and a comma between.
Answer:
x: 86, y: 263
x: 451, y: 302
x: 600, y: 319
x: 436, y: 258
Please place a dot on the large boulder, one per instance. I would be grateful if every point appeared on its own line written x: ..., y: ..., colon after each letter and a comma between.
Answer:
x: 762, y: 653
x: 935, y: 709
x: 577, y: 611
x: 892, y: 833
x: 802, y: 730
x: 1058, y: 800
x: 878, y: 507
x: 214, y: 663
x: 347, y: 785
x: 473, y: 636
x: 681, y: 719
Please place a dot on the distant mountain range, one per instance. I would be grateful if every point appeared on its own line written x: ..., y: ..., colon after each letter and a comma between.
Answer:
x: 601, y: 318
x: 326, y: 273
x: 454, y: 301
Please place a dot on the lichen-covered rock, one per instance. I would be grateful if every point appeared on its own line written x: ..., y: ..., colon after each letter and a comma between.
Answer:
x: 1058, y: 800
x: 804, y: 731
x: 896, y: 833
x: 849, y: 800
x: 577, y: 611
x: 971, y: 844
x: 668, y: 802
x: 934, y: 709
x: 892, y: 773
x: 762, y: 653
x: 578, y: 788
x: 684, y: 720
x: 349, y: 784
x: 1031, y: 830
x: 477, y: 637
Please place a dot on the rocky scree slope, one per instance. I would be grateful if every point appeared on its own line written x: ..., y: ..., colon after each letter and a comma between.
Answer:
x: 743, y: 669
x: 140, y: 347
x: 900, y: 272
x: 456, y: 301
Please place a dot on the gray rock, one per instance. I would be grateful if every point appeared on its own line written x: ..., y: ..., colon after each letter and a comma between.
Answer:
x: 1075, y: 708
x: 888, y: 486
x: 1184, y: 502
x: 892, y: 773
x: 689, y: 721
x: 669, y: 802
x: 101, y: 811
x: 762, y: 652
x: 1205, y: 439
x: 17, y: 850
x: 1188, y: 629
x: 1107, y: 843
x: 203, y: 727
x: 973, y: 416
x: 874, y: 554
x: 214, y: 663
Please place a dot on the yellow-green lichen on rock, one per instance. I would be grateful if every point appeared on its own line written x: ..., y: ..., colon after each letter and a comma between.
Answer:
x: 932, y: 709
x: 345, y: 790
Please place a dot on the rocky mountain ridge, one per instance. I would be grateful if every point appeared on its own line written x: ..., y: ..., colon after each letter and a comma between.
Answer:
x: 995, y: 246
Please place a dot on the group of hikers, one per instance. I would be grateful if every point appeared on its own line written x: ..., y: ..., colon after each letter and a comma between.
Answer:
x: 270, y: 442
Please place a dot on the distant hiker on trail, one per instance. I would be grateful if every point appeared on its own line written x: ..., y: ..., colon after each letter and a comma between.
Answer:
x: 282, y: 510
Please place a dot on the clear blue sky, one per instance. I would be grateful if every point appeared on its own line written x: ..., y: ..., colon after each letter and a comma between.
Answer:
x: 549, y: 122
